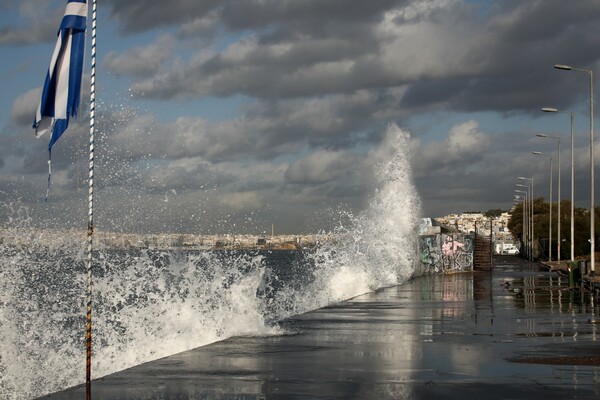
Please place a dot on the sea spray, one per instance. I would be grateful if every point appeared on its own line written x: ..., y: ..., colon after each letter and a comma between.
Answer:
x: 40, y: 276
x: 149, y: 303
x: 376, y: 248
x: 172, y: 302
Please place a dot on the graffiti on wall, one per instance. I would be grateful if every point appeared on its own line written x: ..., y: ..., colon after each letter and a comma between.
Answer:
x: 446, y: 252
x: 431, y: 255
x: 457, y: 251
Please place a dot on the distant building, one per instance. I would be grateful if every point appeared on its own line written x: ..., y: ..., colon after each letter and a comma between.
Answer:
x: 496, y: 227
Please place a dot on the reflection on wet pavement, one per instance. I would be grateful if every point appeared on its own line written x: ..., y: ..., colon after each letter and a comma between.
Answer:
x: 516, y: 332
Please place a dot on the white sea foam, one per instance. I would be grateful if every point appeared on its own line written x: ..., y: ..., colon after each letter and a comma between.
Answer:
x: 378, y: 245
x: 149, y: 304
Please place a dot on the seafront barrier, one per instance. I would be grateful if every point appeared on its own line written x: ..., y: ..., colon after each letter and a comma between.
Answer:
x: 436, y: 252
x: 169, y: 241
x: 444, y: 253
x: 451, y: 336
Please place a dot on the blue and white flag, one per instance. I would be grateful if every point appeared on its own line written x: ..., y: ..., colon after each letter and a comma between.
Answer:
x: 61, y: 94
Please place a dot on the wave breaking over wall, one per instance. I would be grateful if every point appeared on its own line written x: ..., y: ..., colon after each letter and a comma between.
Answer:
x: 150, y: 304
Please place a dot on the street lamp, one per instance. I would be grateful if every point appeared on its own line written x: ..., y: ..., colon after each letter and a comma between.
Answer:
x: 529, y: 221
x: 532, y: 224
x: 538, y: 153
x: 525, y: 222
x: 557, y: 138
x: 525, y: 219
x: 555, y: 110
x: 527, y: 226
x: 592, y: 228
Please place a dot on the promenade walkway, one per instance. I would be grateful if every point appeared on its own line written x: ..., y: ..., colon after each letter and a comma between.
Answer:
x: 516, y: 332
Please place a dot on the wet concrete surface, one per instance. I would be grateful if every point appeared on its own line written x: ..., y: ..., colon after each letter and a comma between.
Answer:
x: 517, y: 332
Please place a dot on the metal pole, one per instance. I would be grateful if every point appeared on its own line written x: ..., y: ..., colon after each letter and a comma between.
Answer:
x: 528, y: 221
x: 550, y: 224
x: 523, y: 218
x: 572, y: 195
x: 558, y: 211
x: 491, y: 237
x: 592, y: 205
x: 532, y: 222
x: 530, y: 217
x: 90, y: 230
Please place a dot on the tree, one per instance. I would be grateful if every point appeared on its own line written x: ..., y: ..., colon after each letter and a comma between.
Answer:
x: 541, y: 223
x: 495, y: 212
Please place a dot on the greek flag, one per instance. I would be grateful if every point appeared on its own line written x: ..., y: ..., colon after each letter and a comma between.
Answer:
x: 61, y: 94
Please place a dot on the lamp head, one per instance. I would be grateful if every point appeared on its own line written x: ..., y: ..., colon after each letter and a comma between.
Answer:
x: 549, y: 109
x: 537, y: 153
x: 561, y: 66
x: 541, y: 135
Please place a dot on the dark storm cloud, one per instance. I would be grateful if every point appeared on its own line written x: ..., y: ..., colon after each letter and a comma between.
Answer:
x: 448, y: 52
x: 331, y: 122
x: 266, y: 131
x: 482, y: 175
x: 444, y: 50
x: 322, y: 78
x: 300, y: 54
x: 538, y: 20
x: 141, y: 15
x: 524, y: 92
x: 282, y: 70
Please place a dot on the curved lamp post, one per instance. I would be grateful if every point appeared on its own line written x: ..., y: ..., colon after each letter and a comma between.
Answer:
x: 555, y: 110
x: 592, y: 228
x: 539, y: 153
x: 529, y: 196
x: 522, y: 199
x: 532, y: 222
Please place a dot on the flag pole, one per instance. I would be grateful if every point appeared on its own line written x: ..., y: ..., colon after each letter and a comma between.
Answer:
x: 90, y: 228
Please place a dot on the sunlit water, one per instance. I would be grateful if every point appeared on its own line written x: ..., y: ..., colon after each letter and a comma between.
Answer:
x: 150, y: 304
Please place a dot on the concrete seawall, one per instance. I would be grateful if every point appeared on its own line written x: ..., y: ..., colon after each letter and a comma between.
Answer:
x: 444, y: 253
x: 516, y: 331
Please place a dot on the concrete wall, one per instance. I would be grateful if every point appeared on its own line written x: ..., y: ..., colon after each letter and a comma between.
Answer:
x: 443, y: 252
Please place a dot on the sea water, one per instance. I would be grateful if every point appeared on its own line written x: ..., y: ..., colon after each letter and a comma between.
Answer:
x: 150, y: 304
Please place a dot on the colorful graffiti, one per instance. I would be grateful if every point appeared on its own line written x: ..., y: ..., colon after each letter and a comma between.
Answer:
x: 446, y: 252
x: 431, y: 256
x: 457, y: 250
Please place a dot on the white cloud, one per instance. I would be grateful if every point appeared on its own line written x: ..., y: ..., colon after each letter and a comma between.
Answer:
x: 244, y: 200
x: 464, y: 145
x: 320, y: 80
x: 320, y: 166
x: 40, y: 25
x: 25, y: 107
x: 141, y: 61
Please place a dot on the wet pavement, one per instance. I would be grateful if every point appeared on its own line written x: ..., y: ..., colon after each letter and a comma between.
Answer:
x: 517, y: 332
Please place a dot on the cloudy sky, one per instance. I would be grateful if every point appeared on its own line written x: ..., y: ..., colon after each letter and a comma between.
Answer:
x: 230, y: 115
